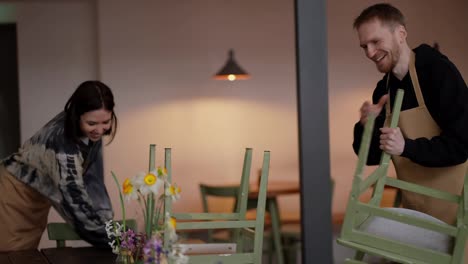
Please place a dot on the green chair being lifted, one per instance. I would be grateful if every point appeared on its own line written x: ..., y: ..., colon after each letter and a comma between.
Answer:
x: 399, y: 234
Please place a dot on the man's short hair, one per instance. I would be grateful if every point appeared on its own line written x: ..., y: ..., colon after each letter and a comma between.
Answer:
x: 385, y: 13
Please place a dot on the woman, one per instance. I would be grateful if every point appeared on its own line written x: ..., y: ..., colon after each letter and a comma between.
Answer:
x: 61, y: 165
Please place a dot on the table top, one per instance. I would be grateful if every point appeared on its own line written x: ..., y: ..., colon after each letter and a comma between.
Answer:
x: 79, y: 255
x: 276, y: 188
x: 21, y: 257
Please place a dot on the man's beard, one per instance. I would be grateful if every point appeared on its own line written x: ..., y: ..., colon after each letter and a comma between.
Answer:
x: 393, y: 56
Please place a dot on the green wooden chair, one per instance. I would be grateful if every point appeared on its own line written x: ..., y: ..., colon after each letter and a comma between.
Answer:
x: 398, y: 234
x: 61, y: 232
x: 290, y: 232
x: 236, y: 221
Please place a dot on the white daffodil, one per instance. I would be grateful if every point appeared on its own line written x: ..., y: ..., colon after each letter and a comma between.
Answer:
x: 149, y: 183
x: 171, y: 225
x: 139, y: 180
x: 173, y: 191
x: 129, y: 189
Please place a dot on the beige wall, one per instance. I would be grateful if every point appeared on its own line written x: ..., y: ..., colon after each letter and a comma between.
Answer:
x: 57, y: 50
x: 161, y: 71
x: 158, y: 57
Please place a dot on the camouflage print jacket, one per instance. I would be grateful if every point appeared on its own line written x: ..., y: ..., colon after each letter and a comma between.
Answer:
x: 54, y: 166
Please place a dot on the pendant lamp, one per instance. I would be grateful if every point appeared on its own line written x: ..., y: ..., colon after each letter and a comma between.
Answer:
x: 231, y: 71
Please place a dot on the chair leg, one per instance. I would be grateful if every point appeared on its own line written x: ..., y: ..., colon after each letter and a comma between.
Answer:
x: 290, y: 252
x: 276, y: 229
x: 210, y: 236
x: 359, y: 255
x: 239, y: 238
x: 270, y: 246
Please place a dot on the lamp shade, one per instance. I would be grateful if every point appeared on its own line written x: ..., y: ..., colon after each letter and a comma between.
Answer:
x: 231, y: 71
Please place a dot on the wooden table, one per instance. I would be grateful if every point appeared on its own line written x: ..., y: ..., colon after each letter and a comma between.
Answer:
x: 276, y: 188
x: 22, y: 257
x: 79, y: 255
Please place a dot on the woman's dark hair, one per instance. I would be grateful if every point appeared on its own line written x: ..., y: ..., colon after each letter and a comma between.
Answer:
x: 89, y: 96
x: 386, y: 13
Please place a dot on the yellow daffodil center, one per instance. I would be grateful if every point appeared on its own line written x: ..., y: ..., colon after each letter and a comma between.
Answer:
x: 174, y: 190
x: 172, y: 223
x: 150, y: 179
x: 127, y: 187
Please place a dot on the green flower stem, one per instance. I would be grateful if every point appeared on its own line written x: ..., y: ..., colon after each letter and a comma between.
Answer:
x: 116, y: 238
x: 121, y: 199
x: 149, y: 215
x: 159, y: 207
x: 142, y: 203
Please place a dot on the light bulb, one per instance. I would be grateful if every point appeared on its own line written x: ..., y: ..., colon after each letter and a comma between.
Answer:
x: 231, y: 77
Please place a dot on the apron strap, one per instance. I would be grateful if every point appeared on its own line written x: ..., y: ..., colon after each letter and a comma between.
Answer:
x: 414, y: 81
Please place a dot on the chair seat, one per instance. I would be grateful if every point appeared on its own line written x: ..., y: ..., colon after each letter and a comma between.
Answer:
x: 409, y: 234
x: 200, y: 248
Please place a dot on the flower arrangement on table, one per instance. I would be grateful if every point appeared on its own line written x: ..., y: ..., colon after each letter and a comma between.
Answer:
x: 147, y: 247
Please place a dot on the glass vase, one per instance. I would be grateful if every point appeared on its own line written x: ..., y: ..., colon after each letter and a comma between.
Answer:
x: 124, y: 257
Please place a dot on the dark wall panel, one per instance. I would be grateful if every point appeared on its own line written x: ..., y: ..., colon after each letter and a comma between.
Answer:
x: 9, y: 99
x: 312, y: 88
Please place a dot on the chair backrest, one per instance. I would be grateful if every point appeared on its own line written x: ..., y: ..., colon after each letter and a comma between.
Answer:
x: 61, y: 232
x: 225, y: 193
x: 218, y: 191
x: 358, y: 213
x: 236, y: 220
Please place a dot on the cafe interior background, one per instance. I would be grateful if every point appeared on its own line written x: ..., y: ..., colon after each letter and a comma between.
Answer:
x: 159, y: 57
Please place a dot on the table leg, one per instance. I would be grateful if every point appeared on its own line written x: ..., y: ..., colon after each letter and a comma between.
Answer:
x: 276, y: 228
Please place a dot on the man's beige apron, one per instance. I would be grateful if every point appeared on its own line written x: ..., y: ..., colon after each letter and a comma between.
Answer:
x: 23, y: 214
x: 416, y: 123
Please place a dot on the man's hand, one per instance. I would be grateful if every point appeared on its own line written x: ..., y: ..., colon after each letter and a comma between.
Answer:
x: 368, y: 108
x: 392, y: 141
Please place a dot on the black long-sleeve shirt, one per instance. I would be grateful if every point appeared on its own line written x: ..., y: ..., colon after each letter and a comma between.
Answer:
x: 446, y: 96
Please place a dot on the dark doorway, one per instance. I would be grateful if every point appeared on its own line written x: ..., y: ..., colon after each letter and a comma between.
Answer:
x: 9, y: 92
